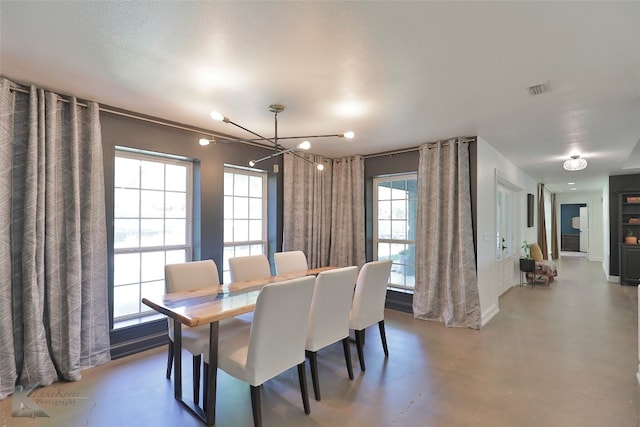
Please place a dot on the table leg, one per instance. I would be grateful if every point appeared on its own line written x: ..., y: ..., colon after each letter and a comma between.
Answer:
x: 208, y: 416
x: 210, y: 404
x: 177, y: 359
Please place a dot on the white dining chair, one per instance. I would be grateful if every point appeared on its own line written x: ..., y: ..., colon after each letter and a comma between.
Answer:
x: 290, y: 261
x: 368, y: 303
x: 182, y: 277
x: 329, y: 317
x: 249, y: 268
x: 273, y: 343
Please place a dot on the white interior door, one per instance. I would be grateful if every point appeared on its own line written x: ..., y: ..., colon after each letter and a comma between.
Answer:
x: 584, y: 230
x: 505, y: 247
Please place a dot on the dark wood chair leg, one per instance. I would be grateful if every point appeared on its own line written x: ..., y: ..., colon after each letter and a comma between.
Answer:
x: 169, y: 359
x: 347, y: 357
x: 302, y: 376
x: 383, y: 337
x: 313, y: 359
x: 197, y: 361
x: 359, y: 344
x: 256, y: 406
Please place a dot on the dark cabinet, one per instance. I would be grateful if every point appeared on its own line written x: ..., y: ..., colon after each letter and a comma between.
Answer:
x: 570, y: 242
x: 629, y: 264
x: 629, y: 215
x: 628, y: 232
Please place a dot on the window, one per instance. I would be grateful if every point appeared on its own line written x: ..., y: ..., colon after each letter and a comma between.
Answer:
x: 152, y: 227
x: 245, y: 213
x: 395, y: 199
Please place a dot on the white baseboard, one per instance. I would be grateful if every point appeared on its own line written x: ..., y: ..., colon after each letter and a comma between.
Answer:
x: 613, y: 279
x: 489, y: 314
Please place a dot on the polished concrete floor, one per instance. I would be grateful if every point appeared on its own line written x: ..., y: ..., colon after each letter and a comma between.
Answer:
x: 566, y: 355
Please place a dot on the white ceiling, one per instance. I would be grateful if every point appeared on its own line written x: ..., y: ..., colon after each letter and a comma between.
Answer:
x: 397, y: 73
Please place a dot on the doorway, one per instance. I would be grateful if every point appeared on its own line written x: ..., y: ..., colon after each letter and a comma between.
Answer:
x: 574, y: 229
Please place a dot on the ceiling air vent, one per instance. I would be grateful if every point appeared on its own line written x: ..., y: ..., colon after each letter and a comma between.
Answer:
x: 538, y: 89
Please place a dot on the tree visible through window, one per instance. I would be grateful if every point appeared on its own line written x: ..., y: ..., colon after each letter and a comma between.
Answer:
x: 152, y: 227
x: 395, y: 206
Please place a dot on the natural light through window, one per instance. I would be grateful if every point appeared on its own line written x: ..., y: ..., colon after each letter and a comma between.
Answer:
x: 152, y: 227
x: 245, y: 214
x: 395, y: 199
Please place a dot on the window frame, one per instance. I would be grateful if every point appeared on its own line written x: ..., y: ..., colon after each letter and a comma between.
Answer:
x: 264, y: 241
x: 146, y: 314
x: 376, y: 239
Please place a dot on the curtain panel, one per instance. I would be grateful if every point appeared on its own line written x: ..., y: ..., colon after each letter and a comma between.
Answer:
x: 324, y: 210
x: 542, y: 223
x: 555, y: 253
x: 307, y: 208
x: 53, y: 254
x: 347, y: 213
x: 446, y: 287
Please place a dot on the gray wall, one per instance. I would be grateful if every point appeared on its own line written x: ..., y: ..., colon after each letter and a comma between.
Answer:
x: 209, y: 162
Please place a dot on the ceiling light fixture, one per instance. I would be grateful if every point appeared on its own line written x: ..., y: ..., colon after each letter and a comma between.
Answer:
x: 575, y: 163
x: 279, y: 149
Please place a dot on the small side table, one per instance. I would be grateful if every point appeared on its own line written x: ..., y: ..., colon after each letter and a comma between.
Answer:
x: 527, y: 265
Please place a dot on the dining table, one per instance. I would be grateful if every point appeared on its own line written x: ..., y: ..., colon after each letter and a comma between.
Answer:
x: 209, y: 306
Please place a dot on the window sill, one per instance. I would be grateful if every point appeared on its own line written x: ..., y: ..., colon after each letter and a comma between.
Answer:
x: 120, y: 324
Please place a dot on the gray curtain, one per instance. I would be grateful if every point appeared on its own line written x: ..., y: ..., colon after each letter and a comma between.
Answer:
x: 555, y: 253
x: 446, y: 287
x: 307, y: 208
x: 53, y: 254
x: 542, y: 223
x: 347, y: 213
x: 324, y: 210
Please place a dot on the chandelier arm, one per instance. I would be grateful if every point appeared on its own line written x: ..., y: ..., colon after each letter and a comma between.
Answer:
x: 338, y: 135
x: 311, y: 136
x: 261, y: 138
x: 278, y: 153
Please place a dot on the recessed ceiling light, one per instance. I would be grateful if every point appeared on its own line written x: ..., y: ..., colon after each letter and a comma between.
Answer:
x: 573, y: 188
x: 571, y: 183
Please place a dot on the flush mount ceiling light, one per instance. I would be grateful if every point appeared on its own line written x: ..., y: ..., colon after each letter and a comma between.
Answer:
x: 278, y: 148
x: 575, y: 163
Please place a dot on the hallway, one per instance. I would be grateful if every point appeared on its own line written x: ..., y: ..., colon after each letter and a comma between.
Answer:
x: 560, y: 356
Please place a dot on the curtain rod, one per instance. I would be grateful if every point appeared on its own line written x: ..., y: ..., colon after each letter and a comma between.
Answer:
x: 391, y: 153
x: 161, y: 122
x: 410, y: 150
x: 63, y: 98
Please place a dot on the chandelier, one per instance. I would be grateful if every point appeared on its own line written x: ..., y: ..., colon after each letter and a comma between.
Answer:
x: 575, y: 163
x: 278, y: 148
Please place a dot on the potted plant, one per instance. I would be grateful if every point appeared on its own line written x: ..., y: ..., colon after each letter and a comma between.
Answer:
x: 527, y: 263
x: 630, y: 238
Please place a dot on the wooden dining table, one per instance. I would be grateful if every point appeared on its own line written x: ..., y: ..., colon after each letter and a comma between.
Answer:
x: 210, y: 306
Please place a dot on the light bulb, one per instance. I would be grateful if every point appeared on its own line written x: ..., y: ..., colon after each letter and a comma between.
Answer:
x: 304, y: 145
x: 349, y: 135
x: 320, y: 166
x: 217, y: 116
x: 204, y: 141
x: 252, y: 163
